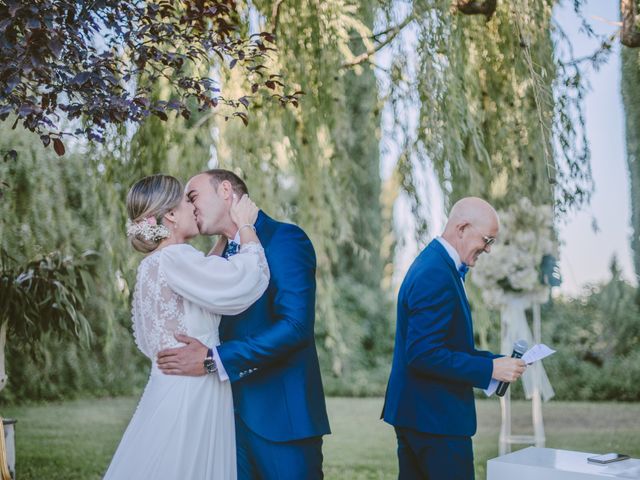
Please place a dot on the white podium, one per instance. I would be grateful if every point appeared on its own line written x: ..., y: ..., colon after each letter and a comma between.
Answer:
x: 549, y: 464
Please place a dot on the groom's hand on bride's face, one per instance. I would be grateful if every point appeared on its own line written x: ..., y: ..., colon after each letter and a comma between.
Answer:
x: 187, y: 360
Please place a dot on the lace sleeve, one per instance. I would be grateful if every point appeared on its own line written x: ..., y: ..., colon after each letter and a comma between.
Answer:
x: 225, y: 287
x: 157, y: 312
x: 255, y: 248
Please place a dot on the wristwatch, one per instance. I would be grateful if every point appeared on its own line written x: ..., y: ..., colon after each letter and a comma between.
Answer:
x: 209, y: 363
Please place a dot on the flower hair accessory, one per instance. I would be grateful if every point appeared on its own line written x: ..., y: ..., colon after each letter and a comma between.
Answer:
x: 148, y: 229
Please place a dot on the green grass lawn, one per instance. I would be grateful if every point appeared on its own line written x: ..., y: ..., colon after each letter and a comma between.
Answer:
x: 75, y: 440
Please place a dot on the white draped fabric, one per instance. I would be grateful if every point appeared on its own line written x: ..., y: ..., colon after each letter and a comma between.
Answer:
x: 514, y: 328
x: 183, y: 427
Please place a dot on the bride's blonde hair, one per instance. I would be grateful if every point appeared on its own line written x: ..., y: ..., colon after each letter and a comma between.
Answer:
x: 153, y: 196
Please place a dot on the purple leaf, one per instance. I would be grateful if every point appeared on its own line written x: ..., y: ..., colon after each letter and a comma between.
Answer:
x: 58, y: 146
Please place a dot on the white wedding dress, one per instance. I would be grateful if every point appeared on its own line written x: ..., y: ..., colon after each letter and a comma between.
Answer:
x: 183, y: 427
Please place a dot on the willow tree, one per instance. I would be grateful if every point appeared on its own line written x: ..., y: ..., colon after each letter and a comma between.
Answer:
x: 488, y: 119
x: 85, y: 69
x: 473, y: 99
x: 631, y: 101
x: 498, y: 115
x: 47, y: 209
x: 318, y: 165
x: 498, y: 112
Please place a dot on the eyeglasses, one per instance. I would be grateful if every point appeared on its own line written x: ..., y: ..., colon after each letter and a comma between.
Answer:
x: 488, y: 241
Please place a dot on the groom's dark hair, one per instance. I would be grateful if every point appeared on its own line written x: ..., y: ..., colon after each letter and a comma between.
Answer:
x: 219, y: 175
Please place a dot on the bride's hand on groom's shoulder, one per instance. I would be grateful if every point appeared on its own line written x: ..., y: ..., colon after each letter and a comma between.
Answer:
x: 187, y: 360
x: 243, y: 211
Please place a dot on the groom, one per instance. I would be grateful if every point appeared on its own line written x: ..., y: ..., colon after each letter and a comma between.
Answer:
x: 429, y: 397
x: 268, y: 352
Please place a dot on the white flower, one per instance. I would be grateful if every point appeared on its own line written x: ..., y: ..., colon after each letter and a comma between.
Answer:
x: 526, y: 235
x: 148, y: 229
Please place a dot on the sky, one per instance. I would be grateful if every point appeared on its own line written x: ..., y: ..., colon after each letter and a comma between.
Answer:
x: 585, y: 251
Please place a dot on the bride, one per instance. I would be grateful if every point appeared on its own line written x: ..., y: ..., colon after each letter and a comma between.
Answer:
x: 183, y: 427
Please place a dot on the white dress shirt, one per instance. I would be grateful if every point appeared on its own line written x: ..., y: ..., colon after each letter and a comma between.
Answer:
x: 222, y: 373
x: 453, y: 253
x: 455, y: 256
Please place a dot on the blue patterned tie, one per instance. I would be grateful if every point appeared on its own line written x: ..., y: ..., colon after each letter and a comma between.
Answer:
x: 462, y: 271
x: 232, y: 249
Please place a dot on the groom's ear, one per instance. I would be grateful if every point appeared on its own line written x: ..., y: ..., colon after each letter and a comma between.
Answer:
x: 226, y: 189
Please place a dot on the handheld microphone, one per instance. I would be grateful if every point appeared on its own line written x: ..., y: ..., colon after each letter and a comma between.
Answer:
x: 518, y: 350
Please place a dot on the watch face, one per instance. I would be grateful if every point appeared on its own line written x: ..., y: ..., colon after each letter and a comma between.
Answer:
x: 210, y: 365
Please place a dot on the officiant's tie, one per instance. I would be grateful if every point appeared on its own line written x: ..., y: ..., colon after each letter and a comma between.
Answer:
x: 462, y: 271
x: 232, y: 249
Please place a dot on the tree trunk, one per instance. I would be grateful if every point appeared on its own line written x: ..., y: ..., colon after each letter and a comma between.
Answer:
x: 631, y: 101
x: 3, y: 342
x: 630, y: 34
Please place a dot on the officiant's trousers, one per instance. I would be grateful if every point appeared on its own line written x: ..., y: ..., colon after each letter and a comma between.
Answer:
x: 423, y: 456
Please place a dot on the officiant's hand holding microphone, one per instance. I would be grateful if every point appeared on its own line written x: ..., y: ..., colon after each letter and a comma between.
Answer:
x: 509, y: 369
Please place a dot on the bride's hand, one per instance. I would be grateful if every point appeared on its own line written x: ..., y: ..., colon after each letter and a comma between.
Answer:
x: 243, y: 211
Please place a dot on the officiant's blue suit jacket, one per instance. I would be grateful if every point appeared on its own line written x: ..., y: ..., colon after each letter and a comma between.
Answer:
x: 269, y: 351
x: 435, y: 364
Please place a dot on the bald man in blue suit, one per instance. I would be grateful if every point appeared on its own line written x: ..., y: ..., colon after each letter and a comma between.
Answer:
x: 429, y: 397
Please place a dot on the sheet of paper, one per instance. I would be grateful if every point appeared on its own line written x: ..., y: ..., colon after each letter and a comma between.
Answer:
x: 535, y: 353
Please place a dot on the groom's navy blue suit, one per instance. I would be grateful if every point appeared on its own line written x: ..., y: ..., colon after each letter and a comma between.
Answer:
x: 270, y: 356
x: 429, y: 397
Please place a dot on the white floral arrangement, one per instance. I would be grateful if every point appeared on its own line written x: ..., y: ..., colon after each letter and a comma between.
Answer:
x: 513, y: 266
x: 148, y: 229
